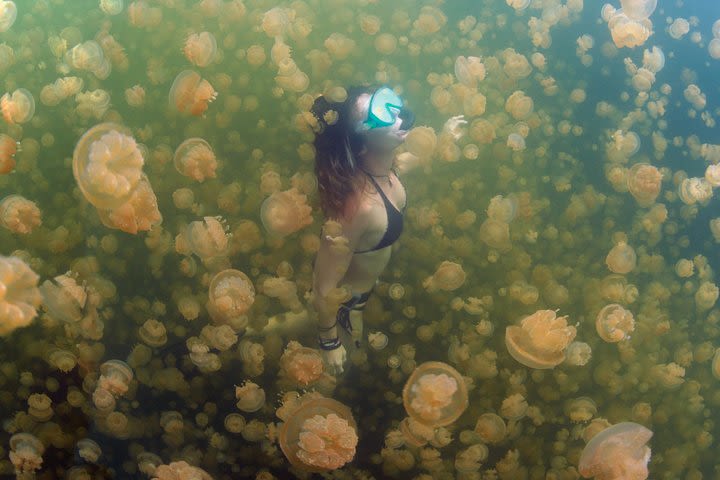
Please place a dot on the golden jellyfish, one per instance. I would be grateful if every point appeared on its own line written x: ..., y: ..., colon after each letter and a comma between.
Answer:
x: 190, y: 93
x: 93, y: 104
x: 491, y: 428
x: 706, y: 296
x: 276, y: 21
x: 614, y: 323
x: 679, y: 28
x: 63, y: 299
x: 26, y: 450
x: 516, y: 64
x: 179, y: 470
x: 385, y: 43
x: 482, y: 131
x: 621, y: 258
x: 627, y: 32
x: 285, y: 212
x: 250, y: 397
x: 469, y: 70
x: 301, y: 365
x: 449, y: 276
x: 207, y: 238
x: 8, y: 14
x: 19, y: 294
x: 107, y: 165
x: 518, y: 5
x: 503, y: 209
x: 516, y: 142
x: 714, y: 48
x: 194, y: 158
x: 19, y: 215
x: 111, y: 7
x: 435, y: 394
x: 200, y: 49
x: 540, y: 340
x: 496, y: 234
x: 18, y: 107
x: 638, y: 9
x: 319, y: 434
x: 421, y: 141
x: 339, y: 46
x: 712, y: 175
x: 230, y: 296
x: 519, y: 105
x: 695, y: 190
x: 135, y: 96
x: 644, y: 182
x: 139, y: 213
x: 617, y: 453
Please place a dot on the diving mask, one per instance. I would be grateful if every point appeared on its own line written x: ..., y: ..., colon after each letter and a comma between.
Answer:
x: 385, y: 108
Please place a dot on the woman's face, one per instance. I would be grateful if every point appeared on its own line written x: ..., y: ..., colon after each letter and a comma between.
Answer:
x: 381, y: 138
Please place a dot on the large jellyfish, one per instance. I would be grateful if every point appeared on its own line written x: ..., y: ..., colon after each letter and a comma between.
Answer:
x: 617, y: 453
x: 540, y: 340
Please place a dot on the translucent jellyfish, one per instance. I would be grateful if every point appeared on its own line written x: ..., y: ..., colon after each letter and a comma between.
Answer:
x: 421, y: 141
x: 319, y: 434
x: 516, y: 142
x: 449, y: 276
x: 207, y: 238
x: 230, y: 295
x: 26, y: 450
x: 540, y: 340
x: 621, y: 258
x: 706, y: 296
x: 93, y: 104
x: 180, y: 470
x: 153, y: 333
x: 435, y: 394
x: 679, y: 28
x: 496, y: 234
x: 19, y: 295
x: 200, y: 48
x: 618, y: 452
x: 18, y: 107
x: 139, y: 213
x: 518, y: 5
x: 301, y: 365
x: 250, y: 397
x: 491, y: 428
x: 285, y: 212
x: 469, y: 70
x: 190, y: 93
x: 714, y: 48
x: 627, y: 32
x: 135, y: 96
x: 63, y: 299
x: 8, y: 14
x: 19, y: 215
x: 695, y: 96
x: 194, y: 158
x: 107, y: 165
x: 644, y: 182
x: 115, y: 377
x: 638, y: 9
x: 712, y: 175
x: 516, y: 64
x: 111, y: 7
x: 614, y: 323
x: 519, y: 105
x: 694, y: 190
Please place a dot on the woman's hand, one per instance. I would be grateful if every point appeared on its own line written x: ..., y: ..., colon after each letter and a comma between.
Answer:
x: 335, y: 360
x: 453, y: 126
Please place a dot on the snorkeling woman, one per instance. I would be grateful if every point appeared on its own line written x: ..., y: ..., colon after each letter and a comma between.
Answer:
x: 359, y: 188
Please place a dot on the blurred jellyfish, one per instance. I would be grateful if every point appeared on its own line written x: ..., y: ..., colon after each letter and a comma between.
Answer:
x: 503, y: 209
x: 496, y: 234
x: 516, y: 142
x: 63, y: 299
x: 207, y: 238
x: 194, y: 158
x: 421, y: 141
x: 516, y: 64
x: 230, y: 296
x: 319, y: 434
x: 540, y: 340
x: 200, y: 48
x: 285, y: 212
x: 695, y: 190
x: 435, y: 394
x: 618, y: 452
x: 518, y: 5
x: 644, y: 182
x: 93, y: 104
x: 714, y: 48
x: 18, y: 107
x: 26, y: 450
x: 19, y: 215
x: 627, y: 32
x: 519, y: 105
x: 111, y: 7
x: 190, y: 93
x: 638, y: 9
x: 19, y: 295
x: 449, y: 276
x: 679, y: 28
x: 614, y: 323
x: 469, y: 70
x: 621, y: 258
x: 8, y: 14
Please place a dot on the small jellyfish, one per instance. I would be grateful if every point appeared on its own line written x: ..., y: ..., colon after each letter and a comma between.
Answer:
x: 285, y: 212
x: 231, y: 294
x: 449, y: 276
x: 421, y: 141
x: 8, y: 14
x: 25, y: 449
x: 18, y: 107
x: 540, y: 340
x: 250, y: 397
x: 519, y: 105
x: 190, y: 93
x: 435, y: 394
x: 491, y: 428
x: 644, y: 182
x: 115, y: 377
x: 618, y: 452
x: 107, y: 165
x: 207, y: 238
x: 111, y: 7
x: 621, y: 258
x: 64, y: 300
x: 19, y: 295
x: 319, y: 434
x: 614, y: 323
x: 19, y: 215
x: 200, y: 48
x: 301, y: 365
x: 194, y: 158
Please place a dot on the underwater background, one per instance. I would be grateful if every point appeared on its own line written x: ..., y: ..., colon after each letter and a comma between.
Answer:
x: 560, y: 153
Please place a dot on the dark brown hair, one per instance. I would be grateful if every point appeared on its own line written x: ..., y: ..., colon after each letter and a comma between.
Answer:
x: 337, y: 146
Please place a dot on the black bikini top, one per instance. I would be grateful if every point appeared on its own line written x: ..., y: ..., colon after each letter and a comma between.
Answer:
x: 394, y: 221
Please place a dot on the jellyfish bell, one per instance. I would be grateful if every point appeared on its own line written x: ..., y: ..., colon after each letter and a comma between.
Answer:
x: 18, y: 107
x: 200, y: 48
x: 285, y: 212
x: 644, y: 182
x: 621, y: 259
x: 540, y: 340
x: 435, y: 394
x: 230, y: 296
x: 319, y: 434
x: 8, y: 14
x: 638, y: 9
x: 619, y: 451
x: 190, y: 93
x: 194, y: 158
x: 614, y: 323
x: 107, y: 165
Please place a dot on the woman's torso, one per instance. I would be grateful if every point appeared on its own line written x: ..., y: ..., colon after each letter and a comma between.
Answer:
x: 369, y: 261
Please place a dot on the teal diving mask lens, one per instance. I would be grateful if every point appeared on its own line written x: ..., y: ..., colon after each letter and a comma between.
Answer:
x: 384, y: 109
